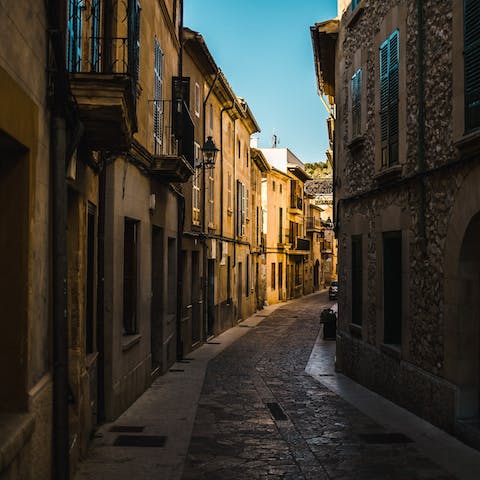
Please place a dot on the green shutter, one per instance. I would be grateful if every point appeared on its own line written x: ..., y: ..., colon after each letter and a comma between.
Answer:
x: 393, y: 88
x: 356, y: 92
x: 389, y: 93
x: 472, y: 64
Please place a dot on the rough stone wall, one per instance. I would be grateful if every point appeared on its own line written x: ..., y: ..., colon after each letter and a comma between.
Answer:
x: 425, y: 323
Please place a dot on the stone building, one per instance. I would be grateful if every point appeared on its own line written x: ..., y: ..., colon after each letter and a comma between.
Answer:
x: 320, y: 193
x: 222, y: 207
x: 26, y: 392
x: 405, y: 80
x: 286, y: 249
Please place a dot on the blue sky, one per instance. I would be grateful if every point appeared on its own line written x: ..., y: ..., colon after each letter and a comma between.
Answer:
x: 264, y: 49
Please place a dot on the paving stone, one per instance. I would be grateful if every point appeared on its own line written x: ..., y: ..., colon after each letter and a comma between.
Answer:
x: 320, y: 439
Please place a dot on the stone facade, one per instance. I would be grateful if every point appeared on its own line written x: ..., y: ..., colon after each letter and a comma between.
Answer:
x: 426, y: 371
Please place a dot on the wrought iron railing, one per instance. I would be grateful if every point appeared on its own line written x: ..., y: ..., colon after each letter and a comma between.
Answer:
x: 296, y: 202
x: 313, y: 223
x: 164, y: 141
x: 302, y: 244
x: 107, y: 55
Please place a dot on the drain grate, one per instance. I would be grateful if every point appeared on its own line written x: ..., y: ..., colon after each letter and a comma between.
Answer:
x: 276, y: 411
x: 176, y: 370
x: 213, y: 343
x: 385, y: 438
x: 245, y: 326
x: 140, y: 441
x: 126, y: 429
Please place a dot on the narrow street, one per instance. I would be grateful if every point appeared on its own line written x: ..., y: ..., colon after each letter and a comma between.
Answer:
x: 260, y: 415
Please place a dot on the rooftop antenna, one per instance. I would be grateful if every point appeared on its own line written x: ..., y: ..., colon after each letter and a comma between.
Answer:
x: 275, y: 140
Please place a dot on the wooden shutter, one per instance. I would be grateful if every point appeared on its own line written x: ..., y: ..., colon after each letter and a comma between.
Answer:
x: 389, y: 95
x: 134, y: 38
x: 157, y: 103
x: 472, y: 64
x: 393, y: 89
x: 74, y: 35
x: 356, y: 89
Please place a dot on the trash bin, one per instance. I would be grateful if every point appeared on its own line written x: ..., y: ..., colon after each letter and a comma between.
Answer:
x: 329, y: 319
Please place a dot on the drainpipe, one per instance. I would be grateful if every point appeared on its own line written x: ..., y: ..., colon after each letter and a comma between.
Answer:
x: 56, y: 30
x: 204, y: 227
x: 234, y: 190
x: 421, y: 124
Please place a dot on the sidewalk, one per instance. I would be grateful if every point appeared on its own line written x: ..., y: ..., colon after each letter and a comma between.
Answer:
x: 167, y: 409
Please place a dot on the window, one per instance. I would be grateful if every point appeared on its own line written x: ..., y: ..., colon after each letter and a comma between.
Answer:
x: 157, y: 97
x: 229, y: 191
x: 280, y: 225
x: 273, y: 277
x: 392, y: 287
x: 211, y: 195
x: 389, y: 85
x: 74, y: 35
x: 248, y: 157
x: 130, y: 274
x: 356, y: 95
x: 239, y: 149
x: 240, y: 208
x: 472, y: 64
x: 134, y: 38
x: 354, y: 4
x: 273, y: 185
x: 247, y: 204
x: 357, y: 280
x: 280, y: 275
x: 281, y: 188
x: 197, y: 99
x: 196, y: 188
x: 211, y: 117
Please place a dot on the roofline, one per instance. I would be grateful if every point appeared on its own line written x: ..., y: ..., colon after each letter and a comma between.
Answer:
x: 259, y: 158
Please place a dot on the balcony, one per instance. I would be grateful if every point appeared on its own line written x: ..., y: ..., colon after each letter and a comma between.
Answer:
x: 296, y: 205
x: 314, y: 224
x: 300, y: 246
x: 173, y: 159
x: 105, y: 91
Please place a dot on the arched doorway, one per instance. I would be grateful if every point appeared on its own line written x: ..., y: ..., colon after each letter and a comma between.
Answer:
x: 462, y: 299
x: 316, y: 269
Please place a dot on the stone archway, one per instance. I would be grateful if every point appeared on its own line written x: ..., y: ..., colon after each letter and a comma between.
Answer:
x: 462, y: 298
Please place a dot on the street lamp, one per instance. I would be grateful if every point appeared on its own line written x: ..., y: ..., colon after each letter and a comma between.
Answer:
x: 209, y: 152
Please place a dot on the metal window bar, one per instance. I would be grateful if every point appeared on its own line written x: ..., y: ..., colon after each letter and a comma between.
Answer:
x: 74, y: 35
x: 161, y: 123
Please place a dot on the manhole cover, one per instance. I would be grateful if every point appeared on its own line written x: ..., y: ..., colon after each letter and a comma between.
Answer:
x: 126, y: 428
x: 385, y: 438
x: 140, y: 441
x: 276, y: 411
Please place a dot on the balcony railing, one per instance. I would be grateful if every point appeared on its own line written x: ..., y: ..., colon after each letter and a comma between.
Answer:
x: 164, y: 140
x: 107, y: 55
x: 296, y: 202
x: 173, y: 141
x: 314, y: 223
x: 302, y: 244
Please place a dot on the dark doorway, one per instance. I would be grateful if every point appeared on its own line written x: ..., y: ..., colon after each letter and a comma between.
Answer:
x: 239, y: 291
x: 211, y: 298
x: 357, y: 280
x: 90, y: 320
x: 316, y: 270
x: 392, y: 287
x: 196, y: 303
x: 157, y: 298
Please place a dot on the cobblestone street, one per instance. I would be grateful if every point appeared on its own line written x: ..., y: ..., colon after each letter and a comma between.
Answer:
x: 261, y: 416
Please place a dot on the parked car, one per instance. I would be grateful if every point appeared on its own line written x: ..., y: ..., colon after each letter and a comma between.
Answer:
x: 333, y: 290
